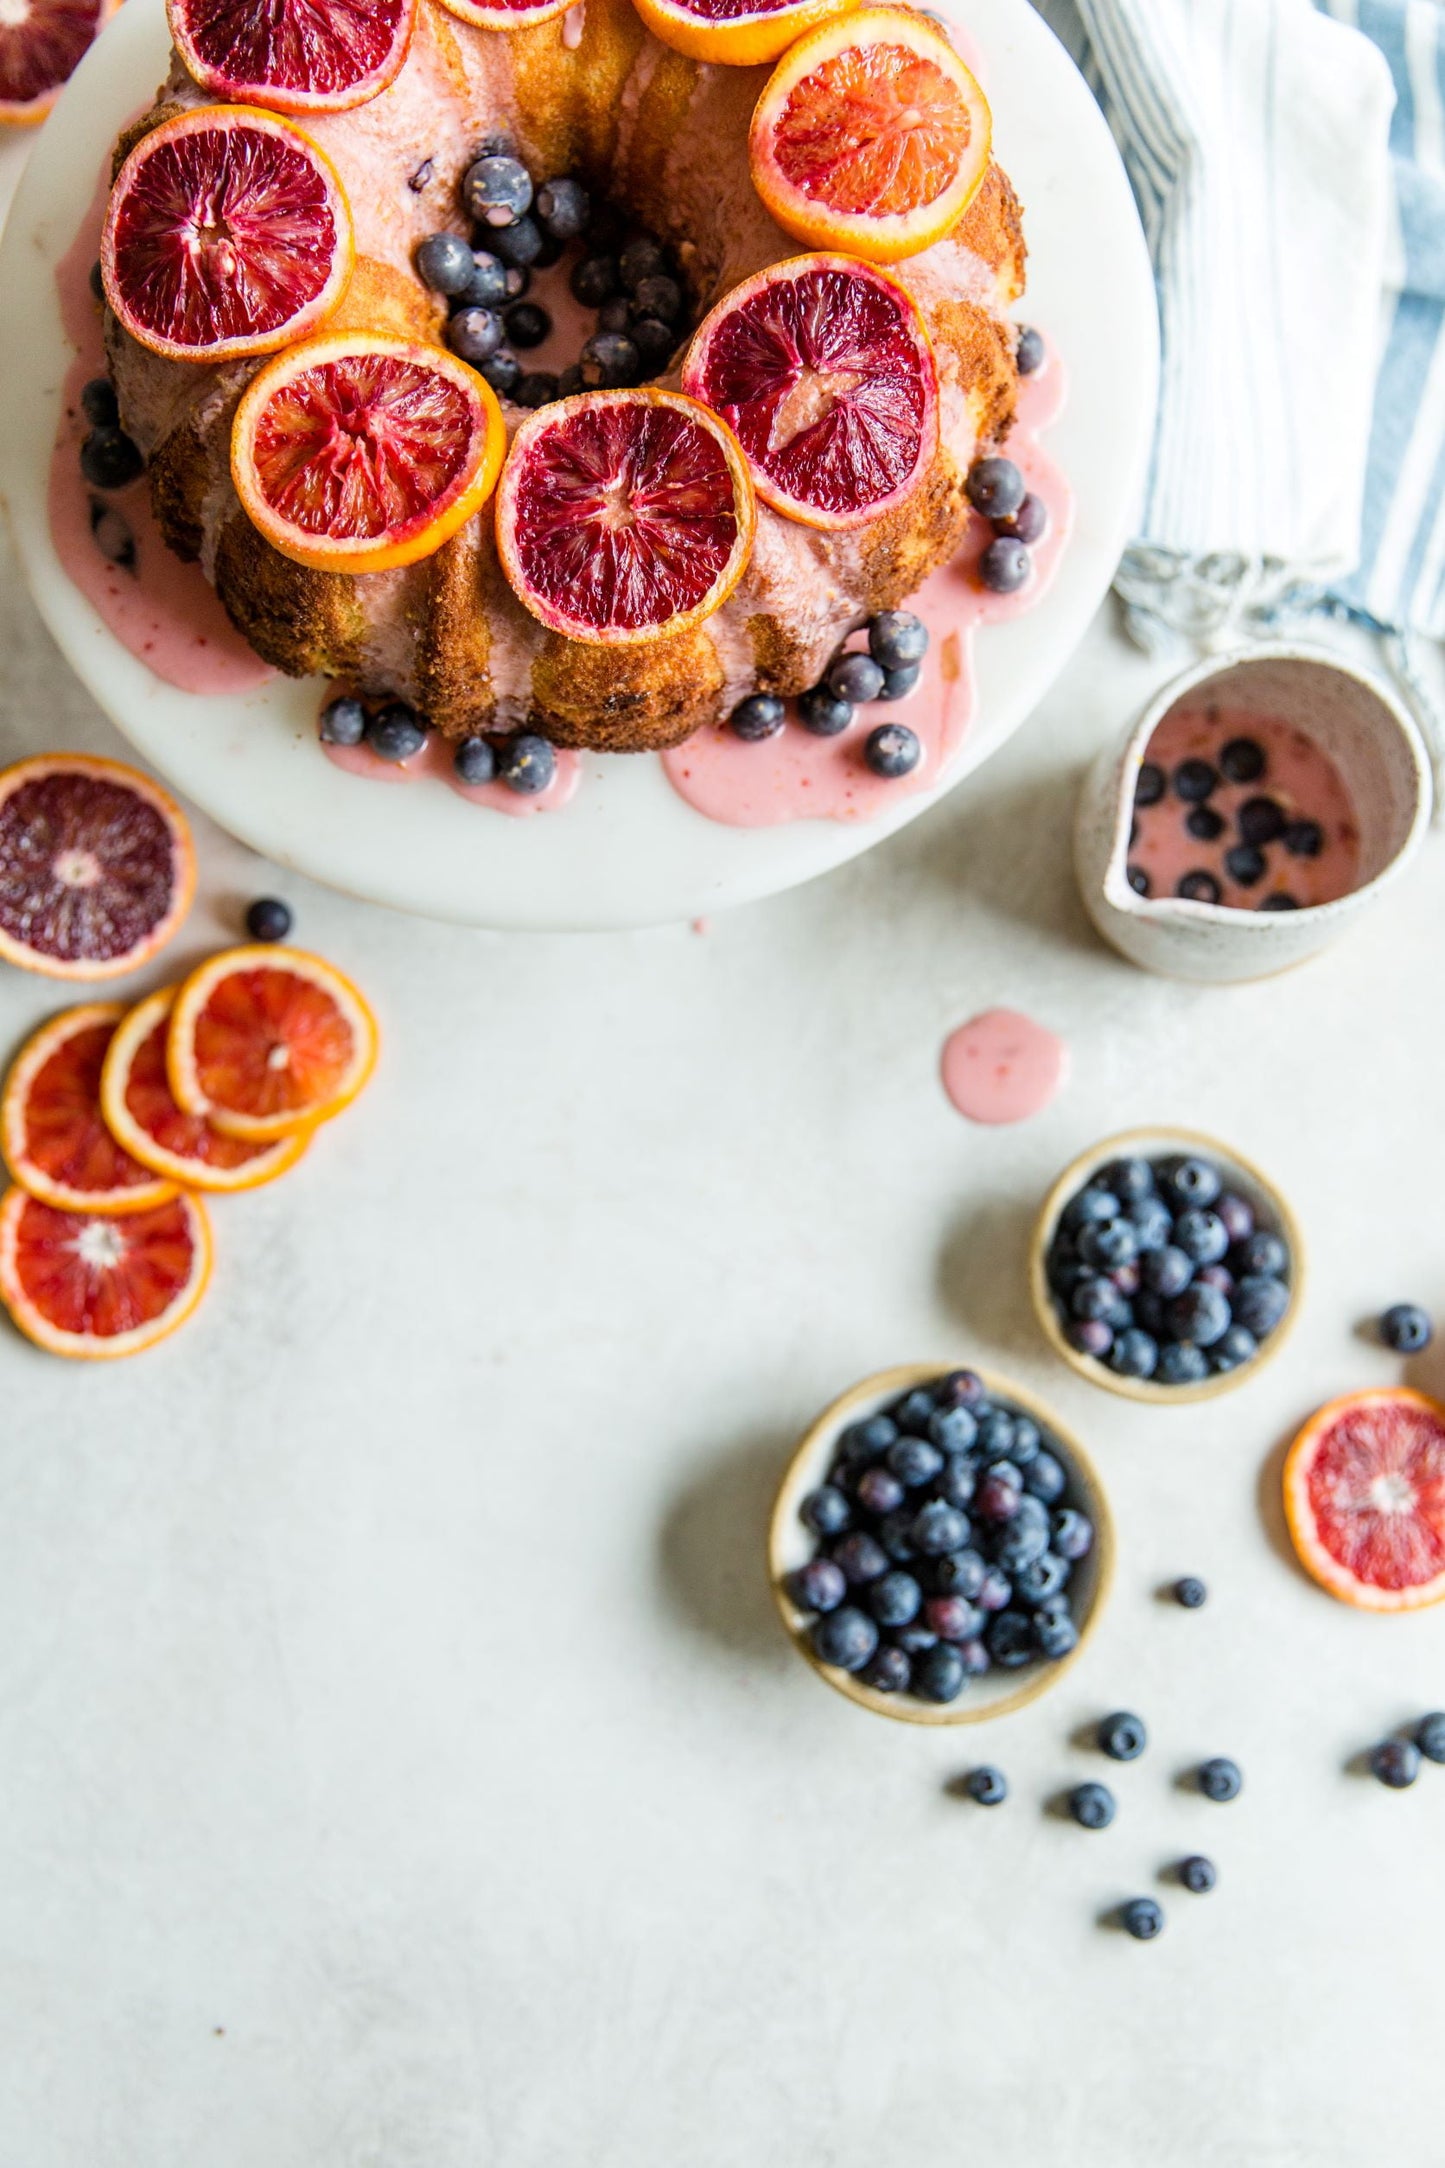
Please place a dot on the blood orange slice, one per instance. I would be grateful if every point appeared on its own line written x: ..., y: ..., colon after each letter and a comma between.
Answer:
x: 96, y: 867
x: 266, y: 1041
x: 42, y: 43
x: 57, y: 1145
x: 227, y: 233
x: 507, y: 14
x: 738, y: 33
x: 142, y: 1115
x: 871, y: 135
x: 355, y: 453
x: 822, y: 368
x: 296, y: 56
x: 91, y: 1285
x: 1364, y: 1495
x: 624, y: 514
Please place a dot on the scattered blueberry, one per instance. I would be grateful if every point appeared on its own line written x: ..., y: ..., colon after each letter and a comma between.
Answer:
x: 1005, y: 566
x: 109, y: 459
x: 99, y: 404
x: 1406, y: 1328
x: 527, y: 764
x: 343, y: 721
x: 475, y: 335
x: 112, y: 534
x: 1150, y: 784
x: 819, y: 1586
x: 1396, y: 1762
x: 1242, y: 761
x: 268, y: 919
x: 853, y: 677
x: 1244, y: 864
x: 1197, y: 1874
x: 823, y: 713
x: 1092, y: 1805
x: 1260, y: 821
x: 474, y: 761
x: 1190, y: 1591
x: 1430, y: 1736
x: 1198, y: 887
x: 1204, y: 824
x: 995, y: 487
x: 897, y: 639
x: 1304, y: 839
x: 989, y: 1786
x: 1122, y: 1736
x: 1194, y: 781
x: 564, y: 208
x: 609, y: 360
x: 1278, y: 901
x: 1220, y: 1779
x: 497, y: 191
x: 892, y: 751
x: 445, y: 262
x: 846, y: 1638
x: 396, y: 732
x: 1030, y: 353
x: 1143, y: 1918
x: 520, y: 245
x: 527, y: 325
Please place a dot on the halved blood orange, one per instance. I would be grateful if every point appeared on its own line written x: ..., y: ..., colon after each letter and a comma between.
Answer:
x: 295, y: 56
x: 624, y: 514
x: 57, y: 1145
x: 871, y: 135
x: 42, y: 43
x: 96, y: 867
x: 265, y: 1041
x: 355, y: 453
x: 737, y: 33
x: 823, y: 369
x: 91, y: 1285
x: 1364, y: 1495
x: 506, y: 14
x: 227, y: 233
x: 141, y: 1113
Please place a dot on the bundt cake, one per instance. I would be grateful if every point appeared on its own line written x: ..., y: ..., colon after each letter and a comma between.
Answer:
x: 661, y: 140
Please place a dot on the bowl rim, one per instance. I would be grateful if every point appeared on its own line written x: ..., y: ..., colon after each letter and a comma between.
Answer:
x: 1075, y: 1176
x: 886, y: 1385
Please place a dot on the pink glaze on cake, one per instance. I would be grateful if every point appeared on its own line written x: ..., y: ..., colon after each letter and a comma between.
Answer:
x: 1003, y: 1067
x: 1298, y: 776
x: 435, y: 760
x: 164, y: 612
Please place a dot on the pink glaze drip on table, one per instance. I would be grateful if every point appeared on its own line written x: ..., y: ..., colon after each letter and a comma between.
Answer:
x: 796, y: 776
x: 1299, y: 776
x: 435, y: 761
x: 1003, y: 1067
x: 163, y: 611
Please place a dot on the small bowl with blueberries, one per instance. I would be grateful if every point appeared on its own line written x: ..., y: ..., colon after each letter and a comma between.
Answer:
x: 1165, y: 1267
x: 940, y: 1547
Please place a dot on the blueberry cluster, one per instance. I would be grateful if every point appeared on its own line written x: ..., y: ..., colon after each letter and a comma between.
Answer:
x: 394, y: 731
x: 947, y: 1540
x: 996, y: 489
x: 888, y: 670
x: 1260, y: 823
x: 1396, y: 1762
x: 626, y: 275
x: 109, y: 460
x: 1161, y: 1272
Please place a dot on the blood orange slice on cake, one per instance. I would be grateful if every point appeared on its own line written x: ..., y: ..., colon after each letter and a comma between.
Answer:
x: 871, y: 136
x: 738, y: 33
x: 96, y: 867
x: 356, y: 453
x: 57, y: 1144
x: 42, y: 43
x: 296, y: 56
x: 266, y: 1041
x: 823, y: 369
x: 1364, y: 1495
x: 227, y: 233
x: 91, y: 1285
x: 141, y: 1113
x: 506, y: 14
x: 622, y: 514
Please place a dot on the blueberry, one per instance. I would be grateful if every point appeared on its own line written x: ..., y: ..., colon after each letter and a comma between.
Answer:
x: 1005, y: 566
x: 112, y: 535
x: 1396, y: 1762
x: 915, y: 1462
x: 846, y: 1638
x: 818, y: 1586
x: 1262, y: 1252
x: 868, y: 1440
x: 99, y: 404
x: 1304, y: 839
x: 1056, y: 1634
x: 914, y: 1639
x: 953, y: 1618
x: 1092, y: 1203
x: 1242, y: 760
x: 895, y: 1599
x: 609, y: 360
x: 861, y: 1557
x: 939, y: 1527
x: 825, y: 1510
x: 396, y: 732
x: 914, y: 1412
x: 975, y: 1657
x: 1220, y: 1779
x: 523, y: 245
x: 564, y: 207
x: 1198, y: 887
x: 1000, y: 1493
x: 615, y: 315
x: 97, y: 280
x: 1143, y: 1918
x: 1237, y: 1214
x: 1073, y: 1534
x: 654, y: 341
x: 1260, y: 821
x: 1131, y: 1180
x: 1200, y: 1315
x: 1090, y: 1336
x: 594, y: 280
x: 527, y: 764
x: 959, y: 1573
x: 641, y: 259
x: 1122, y: 1736
x: 1237, y: 1346
x: 1167, y: 1271
x: 1197, y: 1874
x: 1042, y: 1577
x: 474, y: 335
x: 1244, y: 864
x: 538, y: 388
x: 1044, y: 1478
x: 1029, y: 524
x: 995, y: 1433
x: 892, y: 751
x: 1092, y: 1805
x: 1279, y: 901
x: 939, y: 1674
x: 269, y: 919
x: 1204, y: 824
x: 527, y: 325
x: 503, y: 372
x: 109, y: 459
x: 887, y: 1671
x: 995, y: 487
x: 1135, y: 1354
x: 1093, y: 1296
x: 1150, y: 784
x: 896, y: 639
x: 1153, y: 1223
x: 1009, y: 1639
x: 898, y: 684
x: 444, y: 261
x: 895, y: 1534
x: 1405, y: 1328
x: 879, y: 1491
x: 1148, y: 1311
x: 1181, y: 1364
x: 660, y: 297
x: 854, y: 677
x: 1106, y: 1243
x: 497, y: 191
x: 1027, y: 1439
x: 1260, y: 1302
x: 824, y: 713
x: 995, y: 1591
x: 1201, y: 1235
x: 343, y: 721
x: 474, y: 762
x: 988, y: 1786
x: 1025, y: 1537
x: 1194, y: 781
x: 1430, y: 1736
x: 1191, y: 1592
x: 953, y: 1430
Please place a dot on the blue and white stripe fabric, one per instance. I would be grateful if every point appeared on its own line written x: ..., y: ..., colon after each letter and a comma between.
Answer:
x: 1289, y: 161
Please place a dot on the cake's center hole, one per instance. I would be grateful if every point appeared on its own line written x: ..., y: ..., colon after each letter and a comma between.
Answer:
x: 75, y: 868
x: 99, y: 1243
x: 811, y: 399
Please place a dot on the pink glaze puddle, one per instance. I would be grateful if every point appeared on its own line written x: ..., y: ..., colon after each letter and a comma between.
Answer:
x: 1003, y: 1067
x: 435, y: 761
x: 796, y: 776
x: 1298, y: 776
x: 163, y: 611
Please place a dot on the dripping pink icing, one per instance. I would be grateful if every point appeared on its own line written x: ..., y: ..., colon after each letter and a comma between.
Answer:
x: 163, y: 611
x: 1003, y: 1067
x: 435, y: 760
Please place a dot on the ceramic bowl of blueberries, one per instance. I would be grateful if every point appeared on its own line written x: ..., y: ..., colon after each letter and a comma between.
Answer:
x: 1254, y: 811
x: 1166, y: 1267
x: 941, y: 1546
